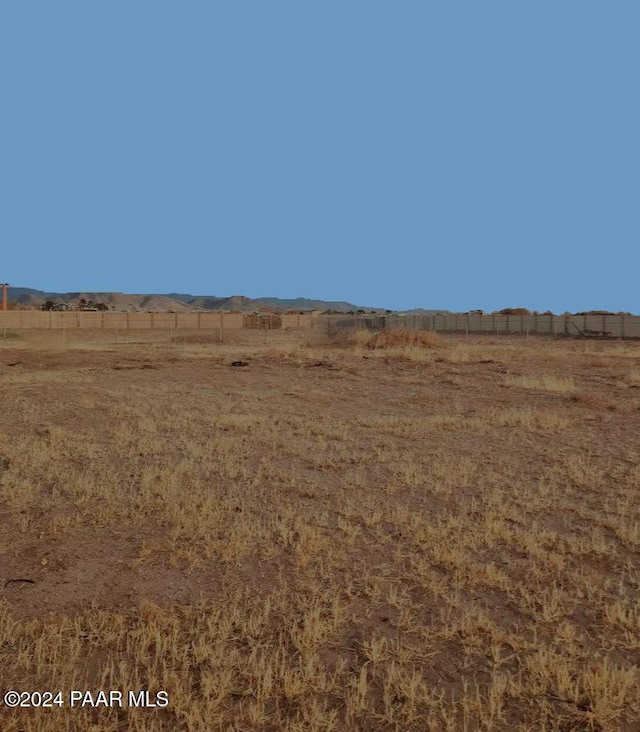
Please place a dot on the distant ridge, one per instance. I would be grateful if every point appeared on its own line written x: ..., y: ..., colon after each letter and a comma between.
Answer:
x: 176, y: 302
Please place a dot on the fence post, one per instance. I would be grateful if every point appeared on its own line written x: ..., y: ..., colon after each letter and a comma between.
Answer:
x: 622, y: 328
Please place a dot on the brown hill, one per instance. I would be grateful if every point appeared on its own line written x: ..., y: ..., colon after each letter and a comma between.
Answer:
x: 24, y: 297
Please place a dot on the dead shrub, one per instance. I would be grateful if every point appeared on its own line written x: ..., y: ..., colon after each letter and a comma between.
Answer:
x: 403, y: 337
x: 360, y: 338
x: 345, y: 337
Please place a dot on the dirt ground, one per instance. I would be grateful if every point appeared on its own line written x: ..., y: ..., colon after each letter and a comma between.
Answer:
x: 323, y: 535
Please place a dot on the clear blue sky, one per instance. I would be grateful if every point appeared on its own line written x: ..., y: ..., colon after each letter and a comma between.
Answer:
x: 398, y: 154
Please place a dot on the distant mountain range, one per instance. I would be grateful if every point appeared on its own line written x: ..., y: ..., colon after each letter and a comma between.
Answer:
x: 178, y: 302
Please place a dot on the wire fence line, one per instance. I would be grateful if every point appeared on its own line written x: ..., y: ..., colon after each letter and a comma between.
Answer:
x: 599, y: 326
x: 590, y: 326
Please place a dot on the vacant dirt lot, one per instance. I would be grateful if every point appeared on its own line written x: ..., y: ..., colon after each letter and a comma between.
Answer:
x: 442, y: 535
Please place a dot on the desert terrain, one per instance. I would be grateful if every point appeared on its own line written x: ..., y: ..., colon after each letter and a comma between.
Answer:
x: 435, y: 533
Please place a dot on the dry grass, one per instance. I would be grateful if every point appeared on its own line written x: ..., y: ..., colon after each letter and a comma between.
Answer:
x: 404, y: 337
x: 633, y: 377
x: 321, y: 541
x: 543, y: 382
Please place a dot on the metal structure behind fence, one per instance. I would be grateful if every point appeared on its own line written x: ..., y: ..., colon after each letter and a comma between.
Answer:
x: 604, y: 326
